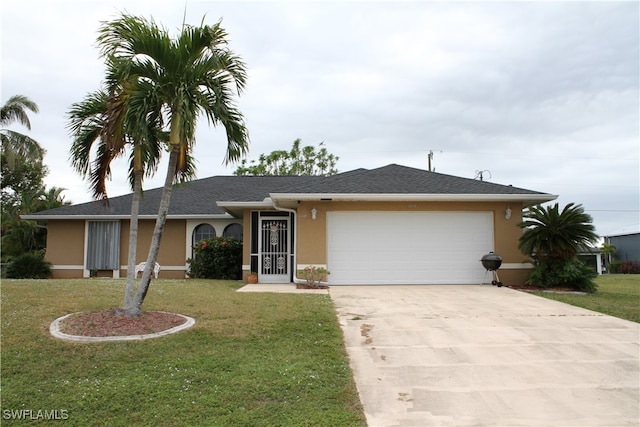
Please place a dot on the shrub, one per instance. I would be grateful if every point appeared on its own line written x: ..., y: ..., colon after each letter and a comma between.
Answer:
x: 614, y: 267
x: 571, y: 273
x: 217, y: 258
x: 29, y: 266
x: 314, y: 275
x: 629, y: 267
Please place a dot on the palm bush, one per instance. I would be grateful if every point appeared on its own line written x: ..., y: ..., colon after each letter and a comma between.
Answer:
x: 571, y: 273
x: 553, y: 238
x: 29, y: 266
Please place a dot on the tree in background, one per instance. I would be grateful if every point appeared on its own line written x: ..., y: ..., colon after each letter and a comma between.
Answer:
x: 609, y: 251
x: 552, y: 238
x: 15, y: 145
x: 22, y: 189
x: 308, y: 160
x: 173, y: 81
x: 23, y: 192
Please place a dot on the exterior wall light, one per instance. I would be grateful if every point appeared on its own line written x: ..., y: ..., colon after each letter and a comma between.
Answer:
x: 507, y: 213
x: 314, y: 213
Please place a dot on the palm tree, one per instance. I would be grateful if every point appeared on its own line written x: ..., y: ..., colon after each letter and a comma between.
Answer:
x: 15, y: 144
x: 52, y: 198
x: 552, y: 234
x: 22, y: 236
x: 609, y: 251
x: 99, y: 123
x: 174, y: 81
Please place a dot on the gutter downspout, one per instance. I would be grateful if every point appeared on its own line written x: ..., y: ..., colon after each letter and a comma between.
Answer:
x: 295, y: 243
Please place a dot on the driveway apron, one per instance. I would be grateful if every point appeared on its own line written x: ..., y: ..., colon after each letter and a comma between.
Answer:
x: 487, y: 356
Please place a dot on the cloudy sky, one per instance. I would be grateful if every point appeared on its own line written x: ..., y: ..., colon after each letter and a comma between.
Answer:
x: 540, y: 95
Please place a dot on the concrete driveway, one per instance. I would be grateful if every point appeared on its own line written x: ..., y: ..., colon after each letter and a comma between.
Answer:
x: 487, y: 356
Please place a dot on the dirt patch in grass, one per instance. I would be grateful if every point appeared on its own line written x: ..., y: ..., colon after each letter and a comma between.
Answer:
x: 108, y: 323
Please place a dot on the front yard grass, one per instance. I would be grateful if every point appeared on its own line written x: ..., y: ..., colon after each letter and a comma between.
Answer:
x: 618, y: 295
x: 252, y: 359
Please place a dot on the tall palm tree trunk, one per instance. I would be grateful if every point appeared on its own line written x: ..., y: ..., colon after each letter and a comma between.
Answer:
x: 133, y: 240
x: 135, y: 308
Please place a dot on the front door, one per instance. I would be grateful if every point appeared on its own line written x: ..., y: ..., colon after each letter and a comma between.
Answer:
x: 273, y: 260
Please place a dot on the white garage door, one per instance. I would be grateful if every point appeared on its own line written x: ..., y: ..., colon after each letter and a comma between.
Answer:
x: 370, y: 248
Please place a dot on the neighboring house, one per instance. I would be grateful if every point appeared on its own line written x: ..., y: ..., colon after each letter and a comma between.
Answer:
x: 386, y: 226
x: 627, y: 246
x: 591, y: 257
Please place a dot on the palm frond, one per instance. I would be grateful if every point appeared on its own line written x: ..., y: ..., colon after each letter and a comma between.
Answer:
x: 14, y: 111
x: 16, y: 146
x: 171, y: 82
x: 552, y: 233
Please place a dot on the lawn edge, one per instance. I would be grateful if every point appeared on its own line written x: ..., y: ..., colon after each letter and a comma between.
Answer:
x: 54, y: 330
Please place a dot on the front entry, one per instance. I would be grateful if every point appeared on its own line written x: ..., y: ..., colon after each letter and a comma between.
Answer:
x: 274, y: 256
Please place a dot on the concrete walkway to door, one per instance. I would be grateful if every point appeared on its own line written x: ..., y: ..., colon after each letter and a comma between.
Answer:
x: 487, y: 356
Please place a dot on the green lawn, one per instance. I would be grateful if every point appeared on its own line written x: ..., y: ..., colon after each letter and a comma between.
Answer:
x: 252, y: 359
x: 618, y: 295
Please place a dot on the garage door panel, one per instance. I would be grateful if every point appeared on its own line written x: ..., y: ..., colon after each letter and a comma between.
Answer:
x: 408, y: 247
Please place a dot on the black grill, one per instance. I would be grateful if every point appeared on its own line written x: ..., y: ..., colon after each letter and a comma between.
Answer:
x: 492, y: 262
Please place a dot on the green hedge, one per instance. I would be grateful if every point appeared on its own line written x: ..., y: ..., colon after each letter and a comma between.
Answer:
x: 29, y: 266
x: 217, y: 258
x: 571, y: 273
x: 625, y: 267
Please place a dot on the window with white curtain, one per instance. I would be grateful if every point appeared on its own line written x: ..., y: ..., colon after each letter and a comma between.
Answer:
x: 103, y: 245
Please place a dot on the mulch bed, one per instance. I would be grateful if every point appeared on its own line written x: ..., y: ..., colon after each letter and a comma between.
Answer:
x: 108, y: 323
x: 309, y: 286
x: 531, y: 288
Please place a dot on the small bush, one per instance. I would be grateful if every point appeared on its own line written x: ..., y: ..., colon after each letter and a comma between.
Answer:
x: 217, y: 258
x: 614, y: 267
x: 29, y: 266
x: 629, y: 267
x: 571, y: 273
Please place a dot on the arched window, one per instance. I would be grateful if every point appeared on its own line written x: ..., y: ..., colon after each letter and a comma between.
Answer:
x: 203, y: 232
x: 233, y: 230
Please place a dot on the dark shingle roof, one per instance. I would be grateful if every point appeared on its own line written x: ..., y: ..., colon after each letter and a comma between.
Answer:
x: 396, y: 179
x: 199, y: 197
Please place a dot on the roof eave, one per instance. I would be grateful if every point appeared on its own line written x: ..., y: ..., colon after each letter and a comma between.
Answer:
x: 36, y: 217
x: 527, y: 199
x: 266, y: 203
x: 237, y: 208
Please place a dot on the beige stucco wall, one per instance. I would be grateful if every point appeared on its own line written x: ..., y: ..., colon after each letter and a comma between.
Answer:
x: 66, y: 241
x: 246, y: 244
x: 65, y: 248
x: 172, y: 255
x: 312, y: 237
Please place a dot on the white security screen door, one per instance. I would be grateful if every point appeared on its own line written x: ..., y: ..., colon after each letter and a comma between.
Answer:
x: 273, y: 264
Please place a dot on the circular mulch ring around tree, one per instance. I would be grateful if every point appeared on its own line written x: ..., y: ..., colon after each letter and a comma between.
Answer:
x: 106, y: 325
